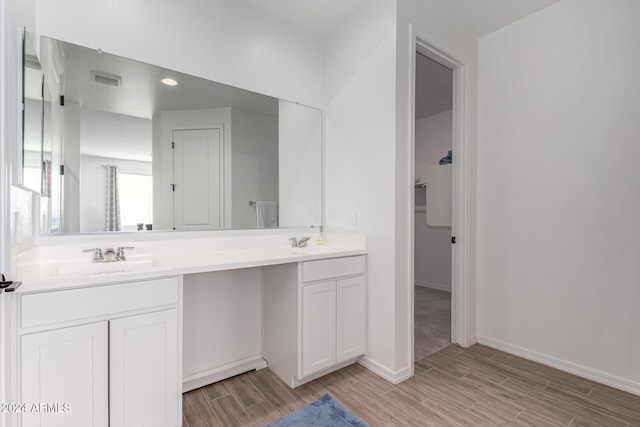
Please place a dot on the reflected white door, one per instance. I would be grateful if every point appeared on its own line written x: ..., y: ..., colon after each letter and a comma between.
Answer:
x: 197, y: 179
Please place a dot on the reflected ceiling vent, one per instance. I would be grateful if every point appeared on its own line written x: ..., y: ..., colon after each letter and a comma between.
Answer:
x: 106, y: 79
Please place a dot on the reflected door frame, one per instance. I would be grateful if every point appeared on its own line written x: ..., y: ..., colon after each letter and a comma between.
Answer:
x: 207, y: 192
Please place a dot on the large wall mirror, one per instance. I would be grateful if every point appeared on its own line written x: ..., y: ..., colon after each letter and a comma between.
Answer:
x: 131, y: 146
x: 36, y: 120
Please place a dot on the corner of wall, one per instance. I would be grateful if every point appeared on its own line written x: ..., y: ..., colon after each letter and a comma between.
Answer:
x: 360, y: 128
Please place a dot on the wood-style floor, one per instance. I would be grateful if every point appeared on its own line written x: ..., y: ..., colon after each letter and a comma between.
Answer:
x: 477, y: 386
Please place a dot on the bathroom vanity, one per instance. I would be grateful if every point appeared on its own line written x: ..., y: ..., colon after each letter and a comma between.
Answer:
x: 100, y: 358
x: 314, y: 315
x: 108, y: 332
x: 103, y: 343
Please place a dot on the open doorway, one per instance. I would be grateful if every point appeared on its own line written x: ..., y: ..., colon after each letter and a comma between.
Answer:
x: 433, y: 159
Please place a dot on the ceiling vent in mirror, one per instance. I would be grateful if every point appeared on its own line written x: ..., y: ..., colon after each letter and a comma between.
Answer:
x: 106, y: 79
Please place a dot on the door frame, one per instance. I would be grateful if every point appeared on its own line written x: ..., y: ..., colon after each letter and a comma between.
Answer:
x: 462, y: 254
x: 224, y: 151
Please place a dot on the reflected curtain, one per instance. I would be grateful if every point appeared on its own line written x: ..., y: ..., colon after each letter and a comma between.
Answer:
x: 46, y: 178
x: 112, y: 205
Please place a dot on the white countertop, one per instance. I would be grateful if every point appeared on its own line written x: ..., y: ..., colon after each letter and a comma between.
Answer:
x: 45, y: 273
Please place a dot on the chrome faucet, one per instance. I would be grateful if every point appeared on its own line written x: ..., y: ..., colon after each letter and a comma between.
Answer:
x: 109, y: 254
x: 120, y: 256
x: 97, y: 254
x: 302, y: 243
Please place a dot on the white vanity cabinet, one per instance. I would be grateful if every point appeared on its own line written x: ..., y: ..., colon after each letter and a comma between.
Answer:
x: 143, y: 370
x: 104, y: 355
x: 314, y: 317
x: 69, y: 368
x: 350, y: 318
x: 318, y: 327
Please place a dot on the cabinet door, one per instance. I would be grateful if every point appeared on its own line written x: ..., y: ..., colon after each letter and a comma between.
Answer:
x: 350, y: 328
x: 318, y: 327
x: 145, y: 387
x: 65, y: 373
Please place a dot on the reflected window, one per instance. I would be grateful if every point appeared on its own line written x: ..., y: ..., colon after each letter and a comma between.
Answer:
x: 32, y: 178
x: 136, y: 200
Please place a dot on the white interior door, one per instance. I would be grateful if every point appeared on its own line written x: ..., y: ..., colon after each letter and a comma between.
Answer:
x: 198, y: 202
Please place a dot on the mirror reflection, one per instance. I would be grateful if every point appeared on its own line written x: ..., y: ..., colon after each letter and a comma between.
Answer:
x: 33, y: 118
x: 138, y: 147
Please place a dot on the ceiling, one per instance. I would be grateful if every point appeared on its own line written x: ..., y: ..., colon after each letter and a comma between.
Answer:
x: 320, y: 17
x: 482, y: 17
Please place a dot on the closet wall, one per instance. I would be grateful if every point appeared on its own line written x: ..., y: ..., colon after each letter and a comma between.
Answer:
x: 432, y: 244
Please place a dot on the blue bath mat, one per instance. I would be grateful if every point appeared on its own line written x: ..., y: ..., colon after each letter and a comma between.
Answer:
x: 324, y: 412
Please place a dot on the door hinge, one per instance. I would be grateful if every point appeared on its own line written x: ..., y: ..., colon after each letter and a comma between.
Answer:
x: 62, y: 100
x: 453, y: 240
x: 61, y: 170
x: 173, y: 187
x: 173, y: 145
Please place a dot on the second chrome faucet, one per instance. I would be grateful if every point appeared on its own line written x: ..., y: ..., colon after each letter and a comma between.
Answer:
x: 109, y: 254
x: 302, y: 243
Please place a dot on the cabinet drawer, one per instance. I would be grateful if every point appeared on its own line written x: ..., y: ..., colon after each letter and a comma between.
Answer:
x: 74, y: 304
x: 331, y: 268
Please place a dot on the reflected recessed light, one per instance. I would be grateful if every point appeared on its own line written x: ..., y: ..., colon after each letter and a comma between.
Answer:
x: 169, y: 82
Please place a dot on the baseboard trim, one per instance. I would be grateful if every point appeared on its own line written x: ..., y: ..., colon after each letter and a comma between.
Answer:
x: 389, y: 375
x: 435, y: 286
x: 223, y: 372
x: 472, y: 340
x: 564, y: 365
x: 295, y: 382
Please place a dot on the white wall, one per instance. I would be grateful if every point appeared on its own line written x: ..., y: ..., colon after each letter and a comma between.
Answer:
x: 221, y: 40
x: 359, y: 149
x: 115, y: 135
x: 254, y: 159
x: 369, y: 183
x: 299, y: 165
x: 432, y: 244
x: 15, y: 203
x: 17, y: 219
x: 559, y: 189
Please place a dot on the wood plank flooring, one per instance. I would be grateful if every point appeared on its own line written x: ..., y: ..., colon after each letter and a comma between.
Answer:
x: 476, y: 386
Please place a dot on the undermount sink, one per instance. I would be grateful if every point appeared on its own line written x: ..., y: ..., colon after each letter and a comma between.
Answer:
x: 299, y: 251
x: 105, y: 267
